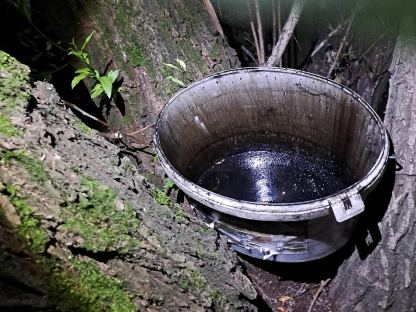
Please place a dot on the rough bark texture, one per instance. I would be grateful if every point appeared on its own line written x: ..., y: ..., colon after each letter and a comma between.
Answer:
x: 385, y: 280
x: 138, y: 37
x: 80, y: 229
x: 76, y: 212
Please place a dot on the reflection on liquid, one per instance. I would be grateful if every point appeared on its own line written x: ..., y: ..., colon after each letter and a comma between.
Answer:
x: 274, y: 175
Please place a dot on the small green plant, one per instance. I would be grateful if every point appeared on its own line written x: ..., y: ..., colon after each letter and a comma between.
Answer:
x: 33, y: 166
x: 192, y: 279
x: 162, y: 198
x: 101, y: 219
x: 196, y: 279
x: 104, y: 83
x: 82, y: 127
x: 30, y: 230
x: 218, y: 298
x: 83, y: 287
x: 162, y: 195
x: 168, y: 185
x: 7, y: 128
x: 180, y: 215
x: 181, y: 69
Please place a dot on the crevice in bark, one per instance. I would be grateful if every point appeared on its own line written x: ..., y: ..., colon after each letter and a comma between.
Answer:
x: 259, y: 303
x: 99, y: 256
x: 368, y: 234
x: 13, y: 282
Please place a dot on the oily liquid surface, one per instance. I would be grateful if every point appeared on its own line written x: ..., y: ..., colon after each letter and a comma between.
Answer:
x: 273, y: 175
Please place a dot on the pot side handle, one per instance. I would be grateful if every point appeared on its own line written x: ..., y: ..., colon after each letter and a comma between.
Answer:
x: 347, y: 206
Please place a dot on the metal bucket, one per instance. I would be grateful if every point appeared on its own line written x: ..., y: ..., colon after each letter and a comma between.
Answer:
x: 296, y: 111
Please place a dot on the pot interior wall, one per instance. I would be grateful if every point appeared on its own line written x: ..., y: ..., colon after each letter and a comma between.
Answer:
x: 300, y: 111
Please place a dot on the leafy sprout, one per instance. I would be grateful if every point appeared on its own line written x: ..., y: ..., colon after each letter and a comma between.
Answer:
x: 104, y: 83
x: 180, y: 68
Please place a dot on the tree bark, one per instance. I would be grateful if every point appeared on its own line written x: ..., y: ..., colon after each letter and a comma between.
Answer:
x: 385, y: 280
x: 61, y: 234
x: 167, y: 261
x: 137, y: 37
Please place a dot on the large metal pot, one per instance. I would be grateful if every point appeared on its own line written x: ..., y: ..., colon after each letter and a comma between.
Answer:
x: 274, y: 103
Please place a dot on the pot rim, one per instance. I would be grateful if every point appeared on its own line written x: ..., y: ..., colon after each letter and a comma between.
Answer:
x: 263, y: 211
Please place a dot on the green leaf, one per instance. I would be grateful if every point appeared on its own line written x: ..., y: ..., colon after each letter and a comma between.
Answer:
x: 113, y: 74
x: 73, y: 44
x: 171, y: 66
x: 85, y: 58
x: 97, y: 74
x: 97, y: 90
x: 107, y: 85
x: 168, y: 184
x: 48, y: 45
x: 74, y: 53
x: 176, y: 80
x: 77, y: 79
x: 181, y: 64
x: 83, y: 70
x: 86, y: 41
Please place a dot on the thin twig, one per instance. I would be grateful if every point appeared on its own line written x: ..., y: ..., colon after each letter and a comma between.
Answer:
x: 274, y: 23
x: 262, y: 293
x: 323, y: 284
x: 286, y: 33
x: 341, y: 46
x: 256, y: 42
x: 253, y: 30
x: 219, y: 7
x: 248, y: 53
x: 141, y: 130
x: 279, y: 22
x: 359, y: 6
x: 85, y: 113
x: 259, y: 32
x: 374, y: 43
x: 211, y: 11
x: 325, y: 41
x: 47, y: 38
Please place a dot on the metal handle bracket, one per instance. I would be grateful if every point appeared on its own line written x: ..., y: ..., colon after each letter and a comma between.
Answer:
x: 347, y: 207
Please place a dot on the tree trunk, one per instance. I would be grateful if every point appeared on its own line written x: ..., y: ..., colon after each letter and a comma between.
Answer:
x: 80, y: 229
x: 137, y: 37
x: 385, y: 279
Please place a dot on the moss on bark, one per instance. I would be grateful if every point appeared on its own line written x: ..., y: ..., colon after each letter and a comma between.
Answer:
x: 14, y: 92
x: 72, y: 283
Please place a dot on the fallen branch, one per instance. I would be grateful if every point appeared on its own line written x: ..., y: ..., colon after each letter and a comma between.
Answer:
x: 86, y: 114
x: 141, y: 130
x: 248, y: 53
x: 214, y: 18
x: 341, y: 46
x: 359, y: 6
x: 264, y: 296
x: 325, y: 41
x: 286, y: 33
x: 323, y: 284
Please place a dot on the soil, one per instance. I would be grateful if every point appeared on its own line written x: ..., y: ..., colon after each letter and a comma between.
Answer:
x: 285, y: 289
